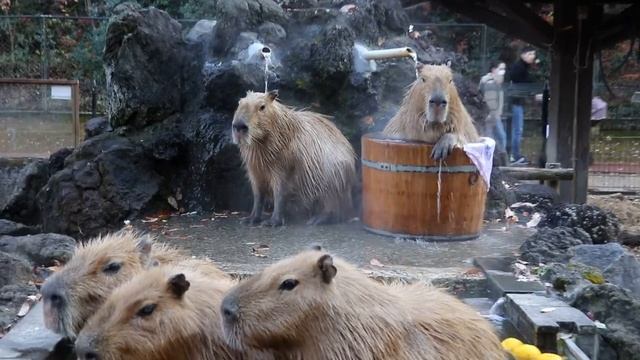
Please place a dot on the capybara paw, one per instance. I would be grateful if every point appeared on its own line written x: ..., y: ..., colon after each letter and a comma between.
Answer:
x: 273, y: 222
x: 443, y: 148
x: 250, y: 220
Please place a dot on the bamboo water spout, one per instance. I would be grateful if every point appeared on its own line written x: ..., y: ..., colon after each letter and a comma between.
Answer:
x: 364, y: 59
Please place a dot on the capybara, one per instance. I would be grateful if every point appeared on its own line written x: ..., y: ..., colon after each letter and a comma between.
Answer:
x: 433, y: 112
x: 76, y: 292
x: 293, y: 154
x: 166, y: 312
x: 312, y: 306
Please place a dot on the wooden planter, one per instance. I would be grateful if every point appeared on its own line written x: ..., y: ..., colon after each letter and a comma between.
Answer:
x: 400, y: 191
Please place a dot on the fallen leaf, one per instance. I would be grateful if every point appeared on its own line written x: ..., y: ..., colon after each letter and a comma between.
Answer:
x: 535, y: 220
x: 547, y: 310
x: 24, y: 309
x: 375, y: 262
x: 235, y: 213
x: 150, y: 220
x: 127, y: 222
x: 260, y: 250
x: 521, y: 204
x: 173, y: 202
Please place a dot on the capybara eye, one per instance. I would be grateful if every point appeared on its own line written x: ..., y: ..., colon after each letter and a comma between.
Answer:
x: 147, y: 310
x: 289, y: 284
x: 262, y: 107
x: 112, y: 268
x: 423, y: 79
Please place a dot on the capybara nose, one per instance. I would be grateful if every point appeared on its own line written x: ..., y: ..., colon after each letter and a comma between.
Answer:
x: 230, y: 309
x: 240, y: 126
x: 52, y: 294
x: 438, y: 100
x: 84, y: 348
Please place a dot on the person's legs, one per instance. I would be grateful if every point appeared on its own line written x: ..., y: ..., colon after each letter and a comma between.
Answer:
x: 517, y: 122
x: 500, y: 135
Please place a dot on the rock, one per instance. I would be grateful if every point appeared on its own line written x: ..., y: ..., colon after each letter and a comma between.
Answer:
x: 630, y: 235
x: 12, y: 297
x: 56, y: 160
x: 617, y: 265
x: 272, y: 33
x: 8, y: 227
x: 96, y: 126
x: 499, y: 196
x: 202, y: 31
x: 236, y: 16
x: 13, y: 270
x: 105, y: 181
x: 552, y: 245
x: 40, y: 249
x: 619, y: 312
x: 144, y: 58
x: 20, y: 181
x: 602, y: 226
x: 571, y: 278
x: 542, y: 196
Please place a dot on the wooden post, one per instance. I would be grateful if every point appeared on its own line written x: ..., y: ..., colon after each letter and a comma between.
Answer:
x: 584, y: 92
x: 563, y: 82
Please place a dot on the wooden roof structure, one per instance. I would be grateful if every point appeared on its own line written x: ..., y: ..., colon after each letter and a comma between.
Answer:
x: 578, y: 30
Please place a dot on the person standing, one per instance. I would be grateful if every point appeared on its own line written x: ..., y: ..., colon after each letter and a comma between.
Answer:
x: 519, y: 74
x: 493, y: 95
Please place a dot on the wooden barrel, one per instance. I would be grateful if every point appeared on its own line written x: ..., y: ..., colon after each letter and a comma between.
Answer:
x: 400, y: 191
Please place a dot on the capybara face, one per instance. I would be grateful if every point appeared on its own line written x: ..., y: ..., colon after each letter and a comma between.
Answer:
x: 268, y: 310
x: 436, y: 85
x: 73, y: 294
x: 253, y: 117
x: 138, y: 319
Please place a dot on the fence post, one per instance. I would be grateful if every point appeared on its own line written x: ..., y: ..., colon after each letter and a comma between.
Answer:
x: 76, y: 112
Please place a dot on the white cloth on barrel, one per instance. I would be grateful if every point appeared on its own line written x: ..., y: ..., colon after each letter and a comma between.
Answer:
x: 481, y: 154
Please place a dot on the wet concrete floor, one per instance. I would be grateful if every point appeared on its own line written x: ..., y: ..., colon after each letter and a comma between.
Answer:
x: 229, y: 243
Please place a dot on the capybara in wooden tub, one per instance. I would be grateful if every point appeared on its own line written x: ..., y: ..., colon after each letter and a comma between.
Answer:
x: 312, y: 306
x: 433, y: 112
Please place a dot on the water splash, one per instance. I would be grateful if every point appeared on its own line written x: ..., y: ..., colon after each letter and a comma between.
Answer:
x: 439, y: 189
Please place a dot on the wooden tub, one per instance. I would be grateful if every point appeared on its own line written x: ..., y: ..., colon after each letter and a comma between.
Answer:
x: 400, y: 191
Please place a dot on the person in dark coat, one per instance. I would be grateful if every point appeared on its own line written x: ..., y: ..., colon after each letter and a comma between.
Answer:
x: 519, y: 74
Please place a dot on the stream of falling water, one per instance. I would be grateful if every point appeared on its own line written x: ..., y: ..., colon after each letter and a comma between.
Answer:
x: 439, y: 188
x: 267, y: 62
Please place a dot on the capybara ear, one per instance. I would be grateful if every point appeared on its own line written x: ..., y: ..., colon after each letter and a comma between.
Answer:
x: 144, y: 245
x: 272, y: 95
x: 328, y: 271
x: 178, y: 285
x: 419, y: 65
x: 316, y: 247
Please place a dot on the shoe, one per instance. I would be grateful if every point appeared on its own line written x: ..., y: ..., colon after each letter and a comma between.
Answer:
x: 521, y: 161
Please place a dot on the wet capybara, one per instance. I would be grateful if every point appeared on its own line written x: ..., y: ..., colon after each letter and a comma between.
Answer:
x: 312, y: 306
x: 74, y: 293
x: 293, y: 154
x: 166, y: 312
x: 433, y: 112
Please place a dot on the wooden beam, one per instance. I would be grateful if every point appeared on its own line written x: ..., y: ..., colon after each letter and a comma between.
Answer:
x: 584, y: 92
x: 562, y: 91
x: 619, y: 27
x: 530, y: 173
x: 505, y: 24
x: 529, y: 19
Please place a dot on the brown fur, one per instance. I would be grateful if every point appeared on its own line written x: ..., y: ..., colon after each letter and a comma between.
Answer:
x: 84, y: 283
x: 184, y: 324
x: 336, y: 312
x: 412, y: 122
x: 299, y: 154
